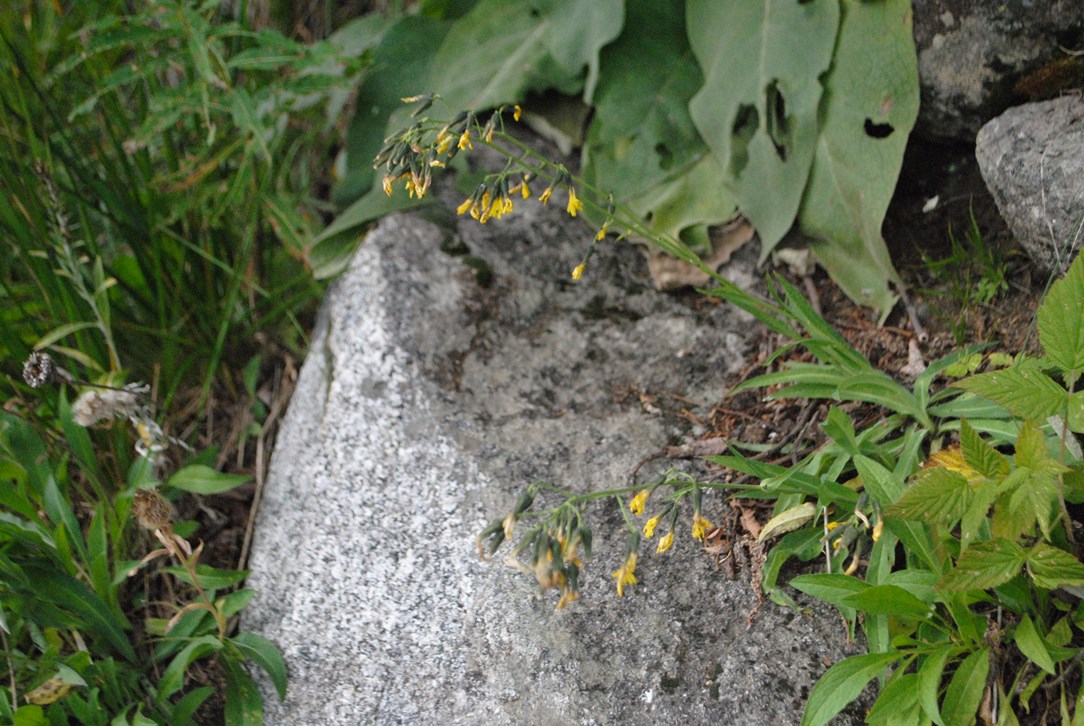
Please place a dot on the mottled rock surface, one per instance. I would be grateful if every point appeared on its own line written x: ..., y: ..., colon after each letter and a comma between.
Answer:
x: 973, y: 53
x: 438, y: 386
x: 1032, y: 160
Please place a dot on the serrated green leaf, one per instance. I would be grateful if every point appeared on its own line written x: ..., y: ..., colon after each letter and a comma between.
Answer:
x: 888, y: 600
x: 870, y: 108
x: 1031, y: 644
x: 265, y: 654
x: 938, y: 495
x: 1050, y: 567
x: 985, y: 565
x: 200, y: 479
x: 842, y: 683
x: 1037, y: 497
x: 758, y: 109
x: 979, y: 455
x: 965, y: 690
x: 1061, y: 321
x: 1026, y: 391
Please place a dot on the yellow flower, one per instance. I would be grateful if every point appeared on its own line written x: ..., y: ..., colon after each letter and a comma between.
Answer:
x: 545, y: 196
x: 567, y: 596
x: 464, y: 141
x: 649, y: 527
x: 525, y: 190
x: 636, y: 506
x: 602, y: 232
x: 444, y: 141
x: 665, y: 542
x: 700, y: 527
x: 625, y: 574
x: 388, y: 181
x: 878, y: 530
x: 578, y: 272
x: 517, y: 113
x: 574, y: 204
x: 464, y: 207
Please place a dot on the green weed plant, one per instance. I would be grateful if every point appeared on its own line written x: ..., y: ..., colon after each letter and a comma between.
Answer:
x: 945, y: 528
x: 157, y: 162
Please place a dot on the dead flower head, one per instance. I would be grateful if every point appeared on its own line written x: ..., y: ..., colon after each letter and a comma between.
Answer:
x: 38, y: 370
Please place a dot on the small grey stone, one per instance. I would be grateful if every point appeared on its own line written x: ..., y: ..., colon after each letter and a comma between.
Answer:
x: 427, y: 402
x: 1032, y: 160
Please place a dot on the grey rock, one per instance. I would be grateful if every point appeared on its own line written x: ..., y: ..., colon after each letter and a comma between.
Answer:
x: 971, y: 53
x: 427, y: 403
x: 1032, y: 160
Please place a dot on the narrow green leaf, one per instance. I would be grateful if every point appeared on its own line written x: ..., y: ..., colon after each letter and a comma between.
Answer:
x: 883, y: 485
x: 896, y: 703
x: 200, y: 479
x: 916, y: 541
x: 244, y: 705
x: 965, y: 690
x: 1061, y: 321
x: 173, y: 678
x: 187, y: 705
x: 211, y: 578
x: 1031, y: 644
x: 1051, y: 567
x: 842, y: 683
x: 986, y: 565
x: 930, y: 674
x: 888, y: 600
x: 833, y: 589
x: 61, y: 514
x: 265, y: 654
x: 788, y: 521
x: 69, y: 593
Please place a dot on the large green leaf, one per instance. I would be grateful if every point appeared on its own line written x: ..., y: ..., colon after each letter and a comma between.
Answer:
x: 870, y: 106
x: 495, y: 54
x: 964, y: 691
x: 578, y: 30
x: 1061, y: 321
x: 1025, y: 390
x: 758, y: 109
x: 642, y: 123
x: 985, y: 565
x: 842, y: 683
x: 401, y: 67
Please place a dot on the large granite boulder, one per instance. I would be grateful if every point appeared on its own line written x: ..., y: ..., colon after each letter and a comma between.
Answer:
x: 1032, y: 160
x: 976, y: 58
x: 439, y: 384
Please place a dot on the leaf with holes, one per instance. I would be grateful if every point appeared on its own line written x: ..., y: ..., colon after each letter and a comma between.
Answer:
x: 871, y: 102
x: 642, y: 122
x: 758, y: 109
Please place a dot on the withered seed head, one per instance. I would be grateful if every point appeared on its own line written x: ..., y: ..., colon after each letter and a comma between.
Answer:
x: 152, y: 510
x: 38, y: 370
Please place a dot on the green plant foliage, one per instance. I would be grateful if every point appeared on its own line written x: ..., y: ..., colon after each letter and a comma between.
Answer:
x: 758, y: 108
x: 870, y: 106
x: 700, y: 109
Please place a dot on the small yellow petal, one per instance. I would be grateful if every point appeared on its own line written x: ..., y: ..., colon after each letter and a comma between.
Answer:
x: 525, y: 191
x: 464, y: 207
x: 545, y: 196
x: 578, y: 272
x: 636, y: 506
x: 464, y: 141
x: 388, y: 181
x: 700, y: 527
x: 666, y: 542
x: 649, y: 527
x: 517, y: 113
x: 574, y: 203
